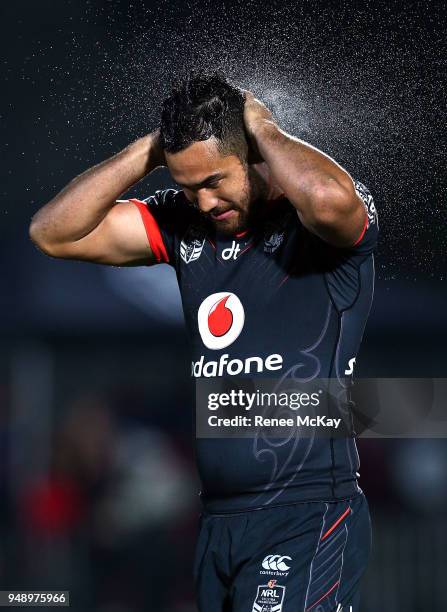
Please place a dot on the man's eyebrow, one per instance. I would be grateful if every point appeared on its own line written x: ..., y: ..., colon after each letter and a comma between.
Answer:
x: 209, y: 179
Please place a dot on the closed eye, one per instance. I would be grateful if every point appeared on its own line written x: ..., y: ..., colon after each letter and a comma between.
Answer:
x: 212, y: 185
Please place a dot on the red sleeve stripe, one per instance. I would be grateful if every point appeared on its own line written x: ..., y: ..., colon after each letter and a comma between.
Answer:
x: 365, y: 226
x: 153, y: 232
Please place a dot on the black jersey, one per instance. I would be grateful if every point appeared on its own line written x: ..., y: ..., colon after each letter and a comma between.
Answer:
x: 273, y: 300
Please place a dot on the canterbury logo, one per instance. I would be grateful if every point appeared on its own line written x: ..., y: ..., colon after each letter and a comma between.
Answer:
x: 276, y: 562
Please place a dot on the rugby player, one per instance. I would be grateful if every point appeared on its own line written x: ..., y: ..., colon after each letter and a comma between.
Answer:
x: 272, y: 243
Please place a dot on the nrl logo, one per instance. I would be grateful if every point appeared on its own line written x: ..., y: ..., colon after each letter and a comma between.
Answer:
x: 192, y: 243
x: 269, y: 597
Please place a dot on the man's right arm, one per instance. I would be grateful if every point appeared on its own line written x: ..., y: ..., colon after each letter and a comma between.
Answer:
x: 85, y: 222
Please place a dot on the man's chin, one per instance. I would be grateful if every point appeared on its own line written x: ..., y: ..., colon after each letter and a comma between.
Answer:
x: 231, y: 226
x: 228, y: 229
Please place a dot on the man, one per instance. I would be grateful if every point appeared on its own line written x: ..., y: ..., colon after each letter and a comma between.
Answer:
x: 272, y: 244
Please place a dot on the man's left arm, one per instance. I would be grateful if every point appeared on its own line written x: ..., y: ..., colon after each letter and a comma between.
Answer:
x: 322, y: 192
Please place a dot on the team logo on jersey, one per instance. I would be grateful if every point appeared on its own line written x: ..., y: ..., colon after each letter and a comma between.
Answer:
x: 269, y: 598
x: 273, y: 242
x: 273, y: 238
x: 221, y: 319
x: 192, y: 243
x: 274, y: 233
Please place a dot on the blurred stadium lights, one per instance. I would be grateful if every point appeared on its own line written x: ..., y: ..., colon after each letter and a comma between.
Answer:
x: 153, y: 290
x: 419, y: 473
x: 31, y: 422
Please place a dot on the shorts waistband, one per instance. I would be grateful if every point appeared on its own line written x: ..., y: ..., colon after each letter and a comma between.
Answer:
x: 251, y: 502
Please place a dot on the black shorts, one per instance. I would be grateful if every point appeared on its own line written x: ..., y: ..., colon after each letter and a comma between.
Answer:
x: 292, y: 558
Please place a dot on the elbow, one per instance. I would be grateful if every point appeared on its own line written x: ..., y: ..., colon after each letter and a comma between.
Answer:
x: 37, y: 236
x: 331, y: 204
x: 34, y: 232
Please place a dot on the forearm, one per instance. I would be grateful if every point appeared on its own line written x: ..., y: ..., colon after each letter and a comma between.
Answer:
x: 85, y: 201
x: 306, y: 175
x: 321, y: 191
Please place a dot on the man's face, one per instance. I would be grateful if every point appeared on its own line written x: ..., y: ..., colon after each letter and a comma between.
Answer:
x: 222, y: 187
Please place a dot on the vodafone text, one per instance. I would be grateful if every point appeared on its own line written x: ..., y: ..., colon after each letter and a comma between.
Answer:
x: 232, y: 367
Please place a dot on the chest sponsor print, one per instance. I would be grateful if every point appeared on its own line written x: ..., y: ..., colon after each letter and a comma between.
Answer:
x: 221, y: 319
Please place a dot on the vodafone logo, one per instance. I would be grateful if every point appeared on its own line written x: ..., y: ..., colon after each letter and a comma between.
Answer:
x: 221, y: 319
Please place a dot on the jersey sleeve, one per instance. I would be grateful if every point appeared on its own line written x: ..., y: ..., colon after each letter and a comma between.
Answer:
x: 367, y: 241
x: 348, y: 269
x: 165, y: 215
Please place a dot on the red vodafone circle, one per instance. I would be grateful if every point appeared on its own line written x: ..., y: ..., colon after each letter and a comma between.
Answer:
x: 221, y: 319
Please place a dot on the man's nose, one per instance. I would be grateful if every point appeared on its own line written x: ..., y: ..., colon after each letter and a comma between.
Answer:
x: 206, y: 201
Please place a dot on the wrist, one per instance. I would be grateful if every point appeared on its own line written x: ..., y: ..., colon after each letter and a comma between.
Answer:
x: 146, y: 152
x: 156, y: 155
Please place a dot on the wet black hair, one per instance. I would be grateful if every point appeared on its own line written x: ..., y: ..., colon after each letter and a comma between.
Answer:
x: 201, y: 106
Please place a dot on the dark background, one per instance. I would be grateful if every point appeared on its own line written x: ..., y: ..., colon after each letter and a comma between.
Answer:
x: 99, y: 492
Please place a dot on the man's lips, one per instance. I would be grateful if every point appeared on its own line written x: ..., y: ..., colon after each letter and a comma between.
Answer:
x: 224, y: 215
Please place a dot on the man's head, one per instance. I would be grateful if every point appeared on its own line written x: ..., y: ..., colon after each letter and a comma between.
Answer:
x: 203, y: 137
